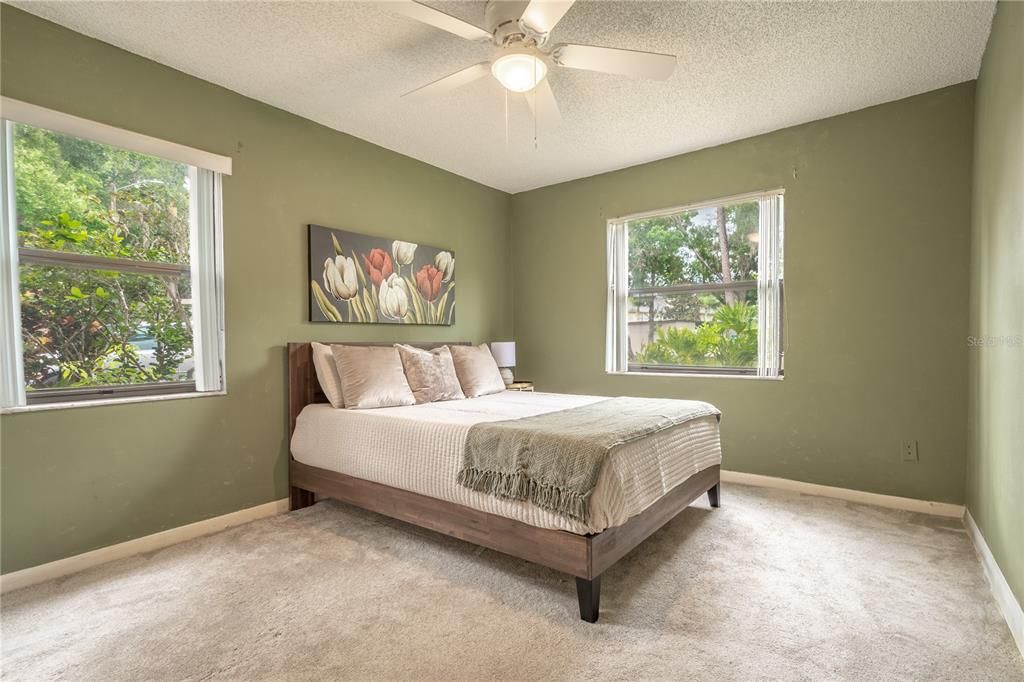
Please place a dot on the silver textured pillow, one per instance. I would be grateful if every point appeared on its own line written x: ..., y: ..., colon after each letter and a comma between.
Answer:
x: 430, y: 373
x: 327, y: 373
x: 372, y: 376
x: 477, y: 371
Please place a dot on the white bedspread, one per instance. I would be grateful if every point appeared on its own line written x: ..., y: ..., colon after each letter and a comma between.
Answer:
x: 419, y: 448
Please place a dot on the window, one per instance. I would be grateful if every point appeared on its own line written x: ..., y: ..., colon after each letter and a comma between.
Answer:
x: 698, y: 289
x: 112, y: 280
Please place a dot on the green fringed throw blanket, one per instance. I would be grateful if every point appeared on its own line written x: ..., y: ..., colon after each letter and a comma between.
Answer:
x: 555, y: 459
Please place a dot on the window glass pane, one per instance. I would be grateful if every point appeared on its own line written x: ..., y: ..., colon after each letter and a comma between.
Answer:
x: 706, y: 329
x: 85, y: 328
x: 88, y: 197
x: 690, y: 247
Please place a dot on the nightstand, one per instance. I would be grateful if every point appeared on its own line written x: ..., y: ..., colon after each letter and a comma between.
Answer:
x: 521, y: 386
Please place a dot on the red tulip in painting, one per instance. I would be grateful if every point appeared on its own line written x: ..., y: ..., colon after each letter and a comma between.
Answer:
x: 428, y: 281
x: 378, y: 266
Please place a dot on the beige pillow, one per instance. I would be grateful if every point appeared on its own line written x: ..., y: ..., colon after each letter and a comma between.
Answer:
x: 477, y: 371
x: 372, y: 376
x: 431, y: 373
x: 327, y: 373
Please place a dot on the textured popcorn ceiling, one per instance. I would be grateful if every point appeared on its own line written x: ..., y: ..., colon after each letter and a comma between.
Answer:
x: 744, y: 69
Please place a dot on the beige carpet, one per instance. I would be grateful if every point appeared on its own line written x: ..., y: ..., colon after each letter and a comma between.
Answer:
x: 772, y: 585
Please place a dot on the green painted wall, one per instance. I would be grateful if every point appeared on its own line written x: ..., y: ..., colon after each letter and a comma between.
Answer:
x: 877, y: 255
x: 75, y: 480
x: 877, y: 252
x: 995, y: 481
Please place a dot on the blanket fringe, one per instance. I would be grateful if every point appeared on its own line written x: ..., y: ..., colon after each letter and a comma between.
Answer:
x: 519, y: 486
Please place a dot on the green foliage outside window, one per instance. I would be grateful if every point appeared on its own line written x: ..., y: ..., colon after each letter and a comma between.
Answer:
x: 708, y: 246
x: 728, y: 340
x: 87, y: 327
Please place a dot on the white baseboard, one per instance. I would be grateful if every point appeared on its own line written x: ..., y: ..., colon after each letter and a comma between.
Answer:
x: 1008, y: 604
x: 891, y: 501
x: 148, y: 543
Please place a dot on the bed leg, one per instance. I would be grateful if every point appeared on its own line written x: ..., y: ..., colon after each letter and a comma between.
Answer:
x: 589, y: 594
x: 300, y: 499
x: 714, y: 495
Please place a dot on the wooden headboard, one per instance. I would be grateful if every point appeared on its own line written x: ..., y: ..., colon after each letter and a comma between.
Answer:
x: 303, y: 387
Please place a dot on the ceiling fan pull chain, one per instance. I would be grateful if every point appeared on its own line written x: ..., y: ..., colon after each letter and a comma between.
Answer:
x: 506, y: 119
x: 533, y: 94
x: 535, y: 123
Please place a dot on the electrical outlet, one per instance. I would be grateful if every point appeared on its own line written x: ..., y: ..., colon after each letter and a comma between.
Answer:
x: 909, y: 450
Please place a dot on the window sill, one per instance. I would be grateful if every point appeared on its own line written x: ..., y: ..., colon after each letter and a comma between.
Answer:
x: 696, y: 375
x: 71, y: 404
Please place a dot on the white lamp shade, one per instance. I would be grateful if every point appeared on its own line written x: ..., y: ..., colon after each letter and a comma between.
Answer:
x: 504, y: 353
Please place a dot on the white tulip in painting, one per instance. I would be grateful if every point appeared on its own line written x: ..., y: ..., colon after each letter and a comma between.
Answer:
x: 403, y: 252
x: 394, y: 297
x: 340, y: 277
x: 445, y: 262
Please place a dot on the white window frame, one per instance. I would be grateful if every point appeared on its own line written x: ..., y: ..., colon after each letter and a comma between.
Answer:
x: 769, y: 287
x: 206, y: 268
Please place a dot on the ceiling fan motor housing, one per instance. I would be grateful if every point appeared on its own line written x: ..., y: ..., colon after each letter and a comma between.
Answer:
x: 503, y: 20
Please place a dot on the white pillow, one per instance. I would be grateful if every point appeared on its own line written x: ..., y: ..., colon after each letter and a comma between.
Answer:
x: 327, y: 374
x: 478, y: 372
x: 372, y: 376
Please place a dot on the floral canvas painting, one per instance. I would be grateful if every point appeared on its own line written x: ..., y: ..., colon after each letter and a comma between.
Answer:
x: 360, y: 278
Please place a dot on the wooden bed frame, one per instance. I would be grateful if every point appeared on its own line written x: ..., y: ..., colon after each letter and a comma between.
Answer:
x: 584, y: 556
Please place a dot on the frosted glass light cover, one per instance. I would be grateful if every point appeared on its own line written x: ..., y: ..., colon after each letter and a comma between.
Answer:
x: 519, y: 72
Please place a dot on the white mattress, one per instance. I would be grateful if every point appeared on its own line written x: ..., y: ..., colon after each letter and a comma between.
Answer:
x: 419, y: 448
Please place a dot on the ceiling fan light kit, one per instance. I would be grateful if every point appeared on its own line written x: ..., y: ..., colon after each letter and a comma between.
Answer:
x: 521, y: 62
x: 519, y: 70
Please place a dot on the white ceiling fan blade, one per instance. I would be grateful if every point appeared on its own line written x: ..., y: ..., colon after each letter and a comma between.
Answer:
x: 612, y: 60
x: 541, y: 16
x: 544, y: 106
x: 450, y: 82
x: 439, y: 19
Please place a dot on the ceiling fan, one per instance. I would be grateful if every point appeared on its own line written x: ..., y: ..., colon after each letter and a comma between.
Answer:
x: 522, y: 56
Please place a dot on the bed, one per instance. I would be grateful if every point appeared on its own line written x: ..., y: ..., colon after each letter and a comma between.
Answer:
x: 402, y: 462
